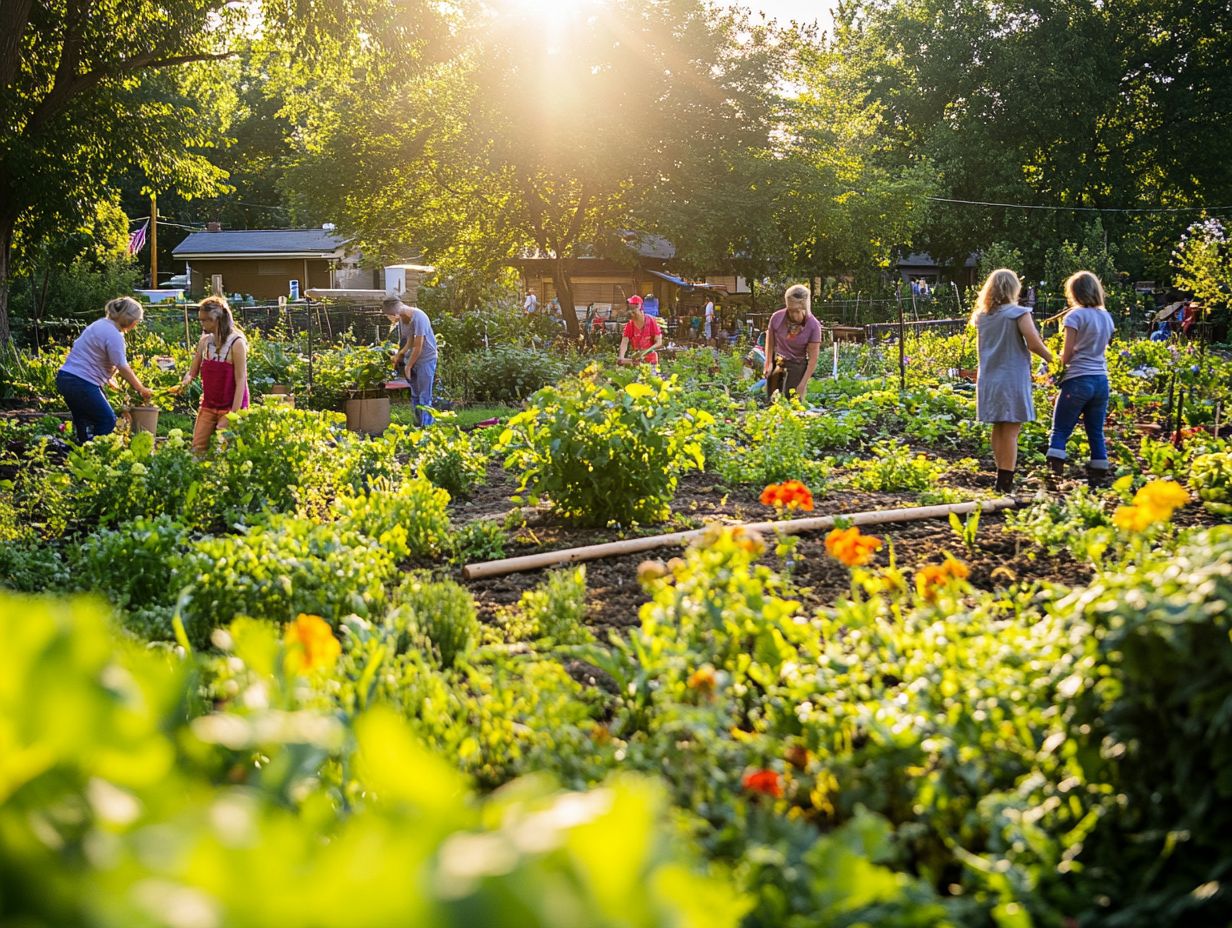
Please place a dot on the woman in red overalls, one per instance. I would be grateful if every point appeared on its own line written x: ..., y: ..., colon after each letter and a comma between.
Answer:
x: 222, y: 359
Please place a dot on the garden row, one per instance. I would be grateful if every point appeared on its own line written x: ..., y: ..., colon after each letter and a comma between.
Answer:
x: 320, y: 713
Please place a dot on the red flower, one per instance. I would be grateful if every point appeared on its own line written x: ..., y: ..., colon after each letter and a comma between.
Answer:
x: 765, y: 782
x: 791, y: 494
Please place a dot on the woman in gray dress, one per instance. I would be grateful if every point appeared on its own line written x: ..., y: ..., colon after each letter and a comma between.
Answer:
x: 1007, y: 338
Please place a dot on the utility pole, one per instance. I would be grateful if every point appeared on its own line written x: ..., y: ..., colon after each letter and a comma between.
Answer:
x: 153, y: 242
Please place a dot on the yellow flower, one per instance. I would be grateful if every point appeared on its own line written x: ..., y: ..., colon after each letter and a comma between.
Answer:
x: 1155, y: 502
x: 1162, y: 496
x: 310, y: 644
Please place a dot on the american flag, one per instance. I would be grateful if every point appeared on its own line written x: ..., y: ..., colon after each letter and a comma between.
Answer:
x: 136, y: 241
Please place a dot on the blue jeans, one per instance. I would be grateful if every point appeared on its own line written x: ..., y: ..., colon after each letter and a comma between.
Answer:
x: 1085, y: 397
x: 92, y: 414
x: 421, y: 378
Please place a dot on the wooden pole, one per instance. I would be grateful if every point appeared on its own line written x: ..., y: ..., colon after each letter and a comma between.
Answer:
x: 153, y: 242
x: 902, y: 340
x: 512, y: 565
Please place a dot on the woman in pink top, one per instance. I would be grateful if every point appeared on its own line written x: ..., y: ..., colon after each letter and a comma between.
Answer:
x: 222, y: 359
x: 643, y: 334
x: 793, y: 341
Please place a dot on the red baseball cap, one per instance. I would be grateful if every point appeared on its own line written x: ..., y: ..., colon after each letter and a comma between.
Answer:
x: 634, y: 301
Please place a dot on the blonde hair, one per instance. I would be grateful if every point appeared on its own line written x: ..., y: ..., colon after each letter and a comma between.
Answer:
x: 1000, y: 289
x: 798, y: 293
x: 124, y: 310
x: 1084, y: 289
x: 218, y: 309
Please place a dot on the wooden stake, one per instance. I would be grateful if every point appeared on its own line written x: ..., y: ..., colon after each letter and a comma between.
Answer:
x: 513, y: 565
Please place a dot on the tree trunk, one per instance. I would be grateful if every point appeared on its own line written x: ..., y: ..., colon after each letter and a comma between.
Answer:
x: 564, y: 292
x: 6, y: 251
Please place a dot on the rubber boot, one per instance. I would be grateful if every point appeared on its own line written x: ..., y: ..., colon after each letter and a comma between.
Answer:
x: 1097, y: 477
x: 1056, y: 470
x: 1005, y: 481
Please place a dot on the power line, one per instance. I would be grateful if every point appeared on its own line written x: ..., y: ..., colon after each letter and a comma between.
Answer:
x: 1087, y: 209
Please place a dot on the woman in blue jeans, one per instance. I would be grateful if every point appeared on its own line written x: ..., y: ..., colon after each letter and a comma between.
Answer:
x: 1084, y: 380
x: 93, y: 362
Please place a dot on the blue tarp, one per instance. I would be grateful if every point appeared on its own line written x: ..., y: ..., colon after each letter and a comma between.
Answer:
x: 683, y: 284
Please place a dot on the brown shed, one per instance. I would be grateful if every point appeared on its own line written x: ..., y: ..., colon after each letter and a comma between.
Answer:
x: 263, y: 262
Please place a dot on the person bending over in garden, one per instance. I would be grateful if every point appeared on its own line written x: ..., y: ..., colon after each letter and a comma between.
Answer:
x: 1007, y: 338
x: 643, y: 334
x: 95, y: 359
x: 222, y: 360
x: 793, y: 339
x: 416, y: 354
x: 1084, y: 379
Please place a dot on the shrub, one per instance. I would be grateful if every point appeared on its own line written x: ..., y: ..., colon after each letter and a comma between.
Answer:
x: 28, y: 566
x: 773, y: 447
x: 407, y: 517
x: 601, y: 454
x: 278, y: 569
x: 1210, y: 476
x: 116, y: 479
x: 481, y: 540
x: 442, y: 619
x: 131, y: 564
x: 894, y: 468
x: 556, y: 608
x: 508, y: 375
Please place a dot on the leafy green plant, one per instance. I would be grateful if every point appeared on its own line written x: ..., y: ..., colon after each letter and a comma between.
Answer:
x: 966, y: 529
x: 894, y: 468
x: 481, y: 540
x: 1210, y: 476
x: 408, y: 517
x: 117, y: 478
x: 556, y: 608
x: 131, y: 564
x: 278, y: 569
x: 601, y: 454
x: 772, y: 446
x: 507, y: 374
x: 441, y: 618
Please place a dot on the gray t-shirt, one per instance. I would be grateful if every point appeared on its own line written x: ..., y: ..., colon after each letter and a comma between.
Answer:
x: 419, y: 325
x: 97, y: 352
x: 1093, y: 328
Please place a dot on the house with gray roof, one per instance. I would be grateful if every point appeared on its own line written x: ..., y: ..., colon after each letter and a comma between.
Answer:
x: 264, y: 262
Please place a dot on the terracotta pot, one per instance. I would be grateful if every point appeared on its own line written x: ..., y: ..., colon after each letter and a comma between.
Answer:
x: 1153, y: 429
x: 280, y: 388
x: 368, y: 416
x: 142, y: 419
x: 278, y: 399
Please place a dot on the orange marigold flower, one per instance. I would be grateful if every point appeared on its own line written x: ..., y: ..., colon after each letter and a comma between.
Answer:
x: 765, y: 782
x: 848, y: 546
x: 791, y: 494
x: 310, y: 644
x: 703, y: 679
x: 1155, y: 502
x: 930, y: 580
x: 1133, y: 518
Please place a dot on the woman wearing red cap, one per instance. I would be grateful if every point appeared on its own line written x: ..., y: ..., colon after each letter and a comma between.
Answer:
x: 641, y: 333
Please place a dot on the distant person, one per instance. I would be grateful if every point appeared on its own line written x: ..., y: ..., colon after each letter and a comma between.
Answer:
x: 708, y: 313
x: 554, y: 308
x: 650, y: 305
x: 1189, y: 317
x: 1084, y: 381
x: 642, y: 334
x: 1003, y: 395
x: 793, y: 341
x: 97, y: 356
x: 1029, y: 299
x: 530, y: 305
x: 222, y: 360
x: 416, y: 355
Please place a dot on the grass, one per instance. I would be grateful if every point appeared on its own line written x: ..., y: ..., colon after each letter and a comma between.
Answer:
x: 463, y: 417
